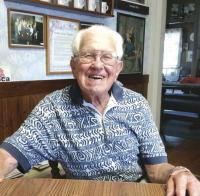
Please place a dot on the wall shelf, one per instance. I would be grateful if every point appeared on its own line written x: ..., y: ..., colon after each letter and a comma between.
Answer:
x: 70, y: 9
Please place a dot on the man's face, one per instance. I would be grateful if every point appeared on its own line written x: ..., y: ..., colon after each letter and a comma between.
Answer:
x: 95, y: 78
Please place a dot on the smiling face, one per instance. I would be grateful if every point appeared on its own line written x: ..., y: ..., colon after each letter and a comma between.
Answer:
x: 95, y: 78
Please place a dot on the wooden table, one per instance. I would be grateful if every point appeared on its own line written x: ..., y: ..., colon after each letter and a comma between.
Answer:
x: 52, y: 187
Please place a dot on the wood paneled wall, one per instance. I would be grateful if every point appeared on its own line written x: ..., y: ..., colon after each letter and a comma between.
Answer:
x: 17, y: 99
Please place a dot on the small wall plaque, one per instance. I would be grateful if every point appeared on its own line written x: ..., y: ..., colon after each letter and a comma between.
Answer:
x: 131, y: 6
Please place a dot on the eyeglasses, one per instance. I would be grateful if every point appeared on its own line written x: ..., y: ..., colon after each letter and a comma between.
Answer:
x: 107, y: 58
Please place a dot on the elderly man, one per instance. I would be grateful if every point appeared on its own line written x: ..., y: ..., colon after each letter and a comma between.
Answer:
x: 96, y: 129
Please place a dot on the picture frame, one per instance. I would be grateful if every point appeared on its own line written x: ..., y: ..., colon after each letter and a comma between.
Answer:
x: 26, y: 29
x: 60, y: 34
x: 84, y: 25
x: 136, y: 6
x: 135, y: 1
x: 132, y: 29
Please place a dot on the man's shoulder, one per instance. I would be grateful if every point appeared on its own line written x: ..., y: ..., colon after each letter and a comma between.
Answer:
x: 58, y: 94
x: 56, y: 97
x: 131, y: 94
x: 122, y: 93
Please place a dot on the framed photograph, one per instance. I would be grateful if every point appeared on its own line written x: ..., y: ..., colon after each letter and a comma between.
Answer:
x: 132, y: 29
x: 60, y: 34
x: 135, y: 1
x: 136, y: 6
x: 84, y: 25
x: 26, y: 29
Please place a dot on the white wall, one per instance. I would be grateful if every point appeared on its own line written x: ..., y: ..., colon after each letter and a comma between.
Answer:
x: 153, y: 60
x: 29, y: 63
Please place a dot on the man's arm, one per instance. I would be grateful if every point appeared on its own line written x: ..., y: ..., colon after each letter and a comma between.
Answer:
x: 158, y: 173
x: 7, y: 163
x: 178, y: 179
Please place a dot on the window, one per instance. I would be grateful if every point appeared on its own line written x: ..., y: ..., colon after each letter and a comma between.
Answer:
x: 172, y: 53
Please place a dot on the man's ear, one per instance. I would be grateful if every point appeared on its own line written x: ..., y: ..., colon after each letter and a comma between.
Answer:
x: 120, y: 67
x: 72, y: 63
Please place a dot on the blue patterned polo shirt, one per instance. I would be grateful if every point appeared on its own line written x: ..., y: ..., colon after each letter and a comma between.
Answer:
x: 89, y: 145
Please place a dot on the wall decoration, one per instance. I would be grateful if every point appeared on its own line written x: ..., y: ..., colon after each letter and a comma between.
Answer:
x: 5, y: 74
x: 181, y: 11
x: 135, y: 1
x: 132, y: 30
x: 60, y: 34
x: 84, y: 25
x: 136, y: 6
x: 26, y: 29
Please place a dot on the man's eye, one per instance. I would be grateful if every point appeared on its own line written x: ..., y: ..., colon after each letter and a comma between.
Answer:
x: 88, y: 56
x: 107, y: 56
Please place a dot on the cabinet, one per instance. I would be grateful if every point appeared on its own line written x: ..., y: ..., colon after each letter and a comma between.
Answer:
x: 69, y: 6
x: 185, y: 15
x: 179, y: 11
x: 180, y: 112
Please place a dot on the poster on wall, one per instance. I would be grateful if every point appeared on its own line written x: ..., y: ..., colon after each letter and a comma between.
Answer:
x: 132, y: 29
x: 60, y: 34
x: 26, y: 29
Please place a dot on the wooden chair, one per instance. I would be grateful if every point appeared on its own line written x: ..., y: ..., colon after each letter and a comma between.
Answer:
x: 55, y: 171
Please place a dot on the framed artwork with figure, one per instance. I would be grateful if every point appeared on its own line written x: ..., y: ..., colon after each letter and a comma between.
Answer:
x: 132, y: 29
x: 26, y: 29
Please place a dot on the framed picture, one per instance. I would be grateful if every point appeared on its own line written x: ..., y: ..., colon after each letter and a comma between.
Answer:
x: 60, y: 34
x: 84, y: 25
x: 136, y: 6
x: 26, y: 29
x: 135, y: 1
x: 132, y: 29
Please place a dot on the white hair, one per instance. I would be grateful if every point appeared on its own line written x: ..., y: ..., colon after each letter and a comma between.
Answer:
x: 100, y: 30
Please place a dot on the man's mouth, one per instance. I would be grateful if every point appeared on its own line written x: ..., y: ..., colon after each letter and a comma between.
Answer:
x: 96, y: 77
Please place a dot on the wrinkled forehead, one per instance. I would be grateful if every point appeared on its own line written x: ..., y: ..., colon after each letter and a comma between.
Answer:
x: 98, y: 41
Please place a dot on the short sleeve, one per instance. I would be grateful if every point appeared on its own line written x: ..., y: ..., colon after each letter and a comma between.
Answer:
x: 152, y: 150
x: 34, y: 141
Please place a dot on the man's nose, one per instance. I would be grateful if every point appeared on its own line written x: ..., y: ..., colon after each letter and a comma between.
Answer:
x: 97, y: 62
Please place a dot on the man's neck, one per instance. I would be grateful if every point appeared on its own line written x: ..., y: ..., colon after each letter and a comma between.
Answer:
x: 99, y: 103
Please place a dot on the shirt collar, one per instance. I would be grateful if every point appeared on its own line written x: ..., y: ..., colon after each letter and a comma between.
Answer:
x: 75, y: 92
x: 111, y: 103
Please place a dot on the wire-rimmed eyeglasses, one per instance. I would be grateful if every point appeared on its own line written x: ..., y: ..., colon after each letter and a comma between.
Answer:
x: 108, y: 58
